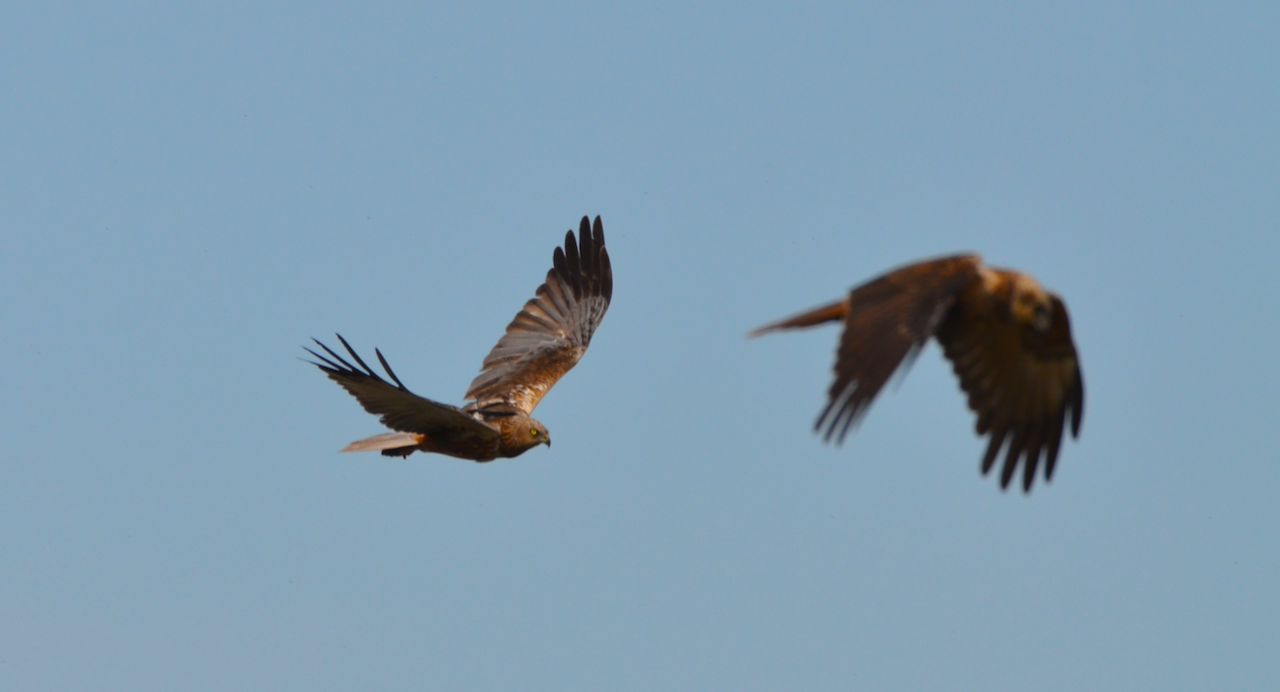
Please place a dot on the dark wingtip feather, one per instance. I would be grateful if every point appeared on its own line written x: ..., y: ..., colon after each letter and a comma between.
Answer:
x: 842, y: 413
x: 1006, y: 473
x: 343, y: 367
x: 606, y: 275
x: 328, y: 350
x: 592, y: 274
x: 590, y: 263
x: 1054, y: 443
x: 573, y: 265
x: 851, y: 412
x: 558, y: 261
x: 829, y: 420
x: 1030, y: 463
x: 1016, y: 447
x: 327, y: 366
x: 368, y: 370
x: 822, y: 417
x: 993, y: 449
x: 387, y: 366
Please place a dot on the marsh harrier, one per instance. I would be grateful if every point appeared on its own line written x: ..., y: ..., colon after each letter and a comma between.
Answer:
x: 1008, y: 339
x: 541, y: 344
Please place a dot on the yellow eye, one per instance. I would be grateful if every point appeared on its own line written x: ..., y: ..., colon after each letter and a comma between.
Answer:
x: 533, y: 432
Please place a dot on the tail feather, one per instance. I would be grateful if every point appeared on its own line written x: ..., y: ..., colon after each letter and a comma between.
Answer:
x: 826, y: 313
x: 393, y: 440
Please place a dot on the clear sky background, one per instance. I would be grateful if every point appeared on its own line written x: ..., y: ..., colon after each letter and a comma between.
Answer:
x: 188, y: 193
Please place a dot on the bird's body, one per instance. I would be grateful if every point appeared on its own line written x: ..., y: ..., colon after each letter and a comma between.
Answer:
x: 1008, y: 339
x: 546, y: 338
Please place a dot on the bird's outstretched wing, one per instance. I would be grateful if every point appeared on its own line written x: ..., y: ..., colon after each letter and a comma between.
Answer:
x: 401, y: 409
x: 1023, y: 384
x: 550, y: 334
x: 889, y: 319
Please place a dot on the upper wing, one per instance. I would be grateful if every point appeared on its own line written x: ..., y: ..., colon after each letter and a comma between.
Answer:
x: 888, y: 320
x: 551, y: 333
x: 399, y: 408
x: 1020, y: 382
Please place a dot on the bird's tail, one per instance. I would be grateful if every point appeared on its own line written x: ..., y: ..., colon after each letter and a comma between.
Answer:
x: 393, y: 440
x: 827, y: 313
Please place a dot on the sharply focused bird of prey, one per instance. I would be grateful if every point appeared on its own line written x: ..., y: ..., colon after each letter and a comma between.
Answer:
x: 1007, y: 338
x: 546, y: 338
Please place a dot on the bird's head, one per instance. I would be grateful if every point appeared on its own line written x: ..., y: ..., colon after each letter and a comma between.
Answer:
x: 1031, y: 304
x: 531, y: 433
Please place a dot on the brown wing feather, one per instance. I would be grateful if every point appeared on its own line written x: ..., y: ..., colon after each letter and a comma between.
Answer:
x: 1021, y: 384
x: 550, y: 334
x: 402, y: 410
x: 888, y: 320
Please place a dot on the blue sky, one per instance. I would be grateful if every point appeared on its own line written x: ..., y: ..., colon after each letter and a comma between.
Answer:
x: 189, y: 193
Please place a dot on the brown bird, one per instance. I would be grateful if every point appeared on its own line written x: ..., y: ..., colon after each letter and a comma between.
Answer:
x: 541, y: 344
x: 1007, y: 338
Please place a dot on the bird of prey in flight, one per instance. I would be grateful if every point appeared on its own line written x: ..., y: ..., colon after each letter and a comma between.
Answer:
x: 1008, y: 340
x: 546, y: 338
